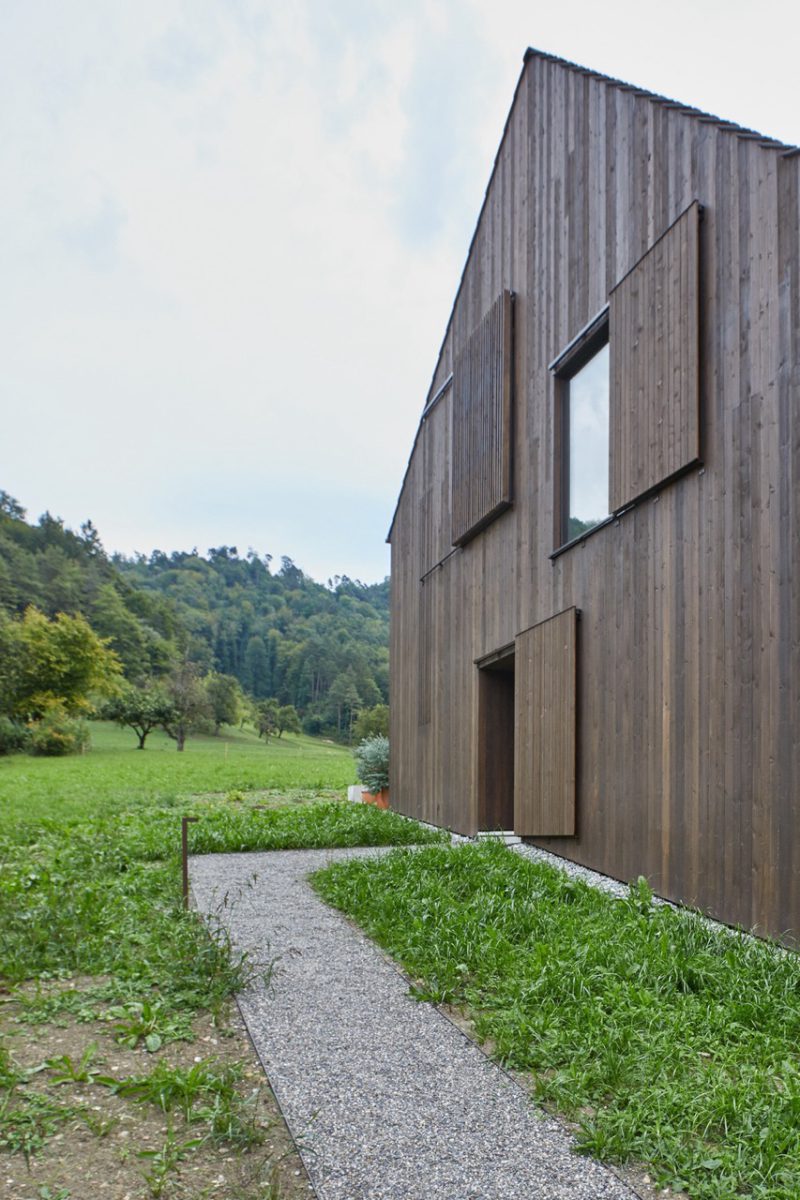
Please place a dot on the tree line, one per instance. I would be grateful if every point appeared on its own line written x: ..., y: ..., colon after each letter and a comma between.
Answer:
x: 217, y: 638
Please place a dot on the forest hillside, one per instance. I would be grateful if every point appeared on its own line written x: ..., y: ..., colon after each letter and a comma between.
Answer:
x: 322, y: 648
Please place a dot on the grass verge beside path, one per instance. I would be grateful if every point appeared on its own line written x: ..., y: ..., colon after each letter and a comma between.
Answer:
x: 666, y: 1041
x: 95, y: 946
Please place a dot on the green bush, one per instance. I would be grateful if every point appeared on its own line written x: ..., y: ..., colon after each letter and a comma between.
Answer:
x: 371, y: 721
x: 313, y: 724
x: 372, y: 762
x: 57, y: 734
x: 13, y: 736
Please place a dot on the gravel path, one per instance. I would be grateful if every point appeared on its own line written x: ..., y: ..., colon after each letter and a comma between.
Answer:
x: 385, y: 1096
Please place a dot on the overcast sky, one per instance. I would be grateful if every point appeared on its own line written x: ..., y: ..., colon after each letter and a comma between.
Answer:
x: 231, y: 233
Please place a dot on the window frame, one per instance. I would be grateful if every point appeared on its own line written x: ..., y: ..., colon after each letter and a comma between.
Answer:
x: 584, y: 346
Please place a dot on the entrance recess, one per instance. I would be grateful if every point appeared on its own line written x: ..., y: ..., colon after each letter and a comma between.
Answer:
x: 496, y: 744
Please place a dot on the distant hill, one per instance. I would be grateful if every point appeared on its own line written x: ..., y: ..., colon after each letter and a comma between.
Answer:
x: 323, y: 649
x: 282, y: 635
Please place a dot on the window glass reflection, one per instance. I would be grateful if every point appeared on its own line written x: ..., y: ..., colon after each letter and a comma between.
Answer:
x: 588, y: 445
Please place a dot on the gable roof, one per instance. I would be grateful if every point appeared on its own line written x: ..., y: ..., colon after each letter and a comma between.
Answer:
x: 787, y: 151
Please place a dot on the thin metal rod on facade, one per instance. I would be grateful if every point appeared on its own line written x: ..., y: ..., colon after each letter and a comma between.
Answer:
x: 185, y: 822
x: 435, y: 399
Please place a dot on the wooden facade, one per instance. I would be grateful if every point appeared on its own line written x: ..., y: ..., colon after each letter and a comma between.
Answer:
x: 631, y: 699
x: 545, y: 697
x: 654, y: 321
x: 482, y: 423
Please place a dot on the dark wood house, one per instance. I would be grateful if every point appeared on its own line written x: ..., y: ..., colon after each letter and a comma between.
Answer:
x: 596, y: 550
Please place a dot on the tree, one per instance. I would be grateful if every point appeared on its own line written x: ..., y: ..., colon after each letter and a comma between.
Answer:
x: 53, y: 663
x: 266, y: 718
x: 344, y: 701
x: 11, y: 507
x: 141, y: 709
x: 188, y: 700
x: 291, y: 574
x: 256, y: 668
x: 91, y: 540
x: 287, y: 719
x: 370, y: 722
x: 125, y: 634
x: 225, y: 698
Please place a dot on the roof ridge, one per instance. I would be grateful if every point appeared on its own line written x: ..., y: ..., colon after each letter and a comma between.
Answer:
x: 786, y: 149
x: 645, y: 93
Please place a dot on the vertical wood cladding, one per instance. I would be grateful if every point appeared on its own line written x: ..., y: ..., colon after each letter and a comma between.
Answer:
x: 544, y: 738
x: 655, y: 379
x: 688, y: 664
x: 425, y: 651
x: 482, y: 382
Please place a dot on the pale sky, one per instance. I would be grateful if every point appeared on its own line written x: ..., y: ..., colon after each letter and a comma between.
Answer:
x: 231, y: 232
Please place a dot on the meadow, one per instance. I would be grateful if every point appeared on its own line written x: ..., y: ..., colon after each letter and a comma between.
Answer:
x: 108, y: 982
x: 114, y: 775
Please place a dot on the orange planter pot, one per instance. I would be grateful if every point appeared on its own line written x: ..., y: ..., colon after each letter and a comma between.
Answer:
x: 379, y: 799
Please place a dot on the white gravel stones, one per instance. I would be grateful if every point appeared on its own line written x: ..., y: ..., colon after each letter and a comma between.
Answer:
x: 386, y: 1099
x: 603, y: 883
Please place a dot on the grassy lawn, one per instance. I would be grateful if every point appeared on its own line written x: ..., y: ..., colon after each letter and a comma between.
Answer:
x: 114, y: 774
x: 665, y: 1041
x: 110, y: 988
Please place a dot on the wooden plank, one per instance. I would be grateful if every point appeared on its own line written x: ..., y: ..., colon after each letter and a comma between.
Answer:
x: 425, y: 640
x: 654, y: 390
x: 482, y: 422
x: 544, y: 740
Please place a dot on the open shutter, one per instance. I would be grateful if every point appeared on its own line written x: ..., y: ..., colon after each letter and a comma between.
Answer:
x: 481, y: 450
x: 544, y: 740
x: 654, y: 397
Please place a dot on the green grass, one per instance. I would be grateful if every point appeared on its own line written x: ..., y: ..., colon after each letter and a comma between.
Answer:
x: 114, y: 774
x: 205, y: 1091
x: 28, y: 1122
x: 91, y: 879
x: 666, y: 1041
x: 90, y: 887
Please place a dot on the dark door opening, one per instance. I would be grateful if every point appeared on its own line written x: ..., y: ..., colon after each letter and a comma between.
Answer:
x: 496, y: 744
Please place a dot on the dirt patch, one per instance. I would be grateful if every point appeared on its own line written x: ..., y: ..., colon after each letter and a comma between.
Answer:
x: 83, y: 1140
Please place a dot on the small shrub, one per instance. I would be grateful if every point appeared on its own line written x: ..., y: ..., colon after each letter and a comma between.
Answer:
x: 13, y: 736
x: 372, y: 763
x: 57, y: 734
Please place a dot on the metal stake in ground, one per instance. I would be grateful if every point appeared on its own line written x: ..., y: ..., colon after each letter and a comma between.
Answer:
x: 185, y: 856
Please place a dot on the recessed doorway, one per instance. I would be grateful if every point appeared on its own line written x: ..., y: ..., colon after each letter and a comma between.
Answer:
x: 496, y: 743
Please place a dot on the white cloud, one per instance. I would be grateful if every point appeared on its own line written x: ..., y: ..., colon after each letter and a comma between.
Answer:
x: 233, y: 232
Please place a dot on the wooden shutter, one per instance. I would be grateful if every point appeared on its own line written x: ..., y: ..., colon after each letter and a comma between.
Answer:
x: 654, y: 398
x: 544, y: 736
x: 481, y: 422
